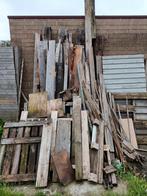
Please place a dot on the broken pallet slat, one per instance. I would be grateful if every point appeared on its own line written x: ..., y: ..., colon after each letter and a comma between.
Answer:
x: 18, y: 178
x: 24, y: 140
x: 44, y: 157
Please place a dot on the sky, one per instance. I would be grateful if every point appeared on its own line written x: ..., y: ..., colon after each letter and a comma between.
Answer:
x: 65, y: 7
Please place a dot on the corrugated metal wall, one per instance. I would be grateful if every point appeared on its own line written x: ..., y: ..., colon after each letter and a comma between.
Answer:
x: 124, y: 73
x: 8, y: 88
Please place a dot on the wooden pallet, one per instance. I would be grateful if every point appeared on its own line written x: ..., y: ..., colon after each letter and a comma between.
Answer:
x: 19, y: 151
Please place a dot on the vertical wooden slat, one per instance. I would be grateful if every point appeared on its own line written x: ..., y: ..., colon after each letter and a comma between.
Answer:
x: 50, y: 72
x: 77, y: 134
x: 44, y: 157
x: 85, y: 145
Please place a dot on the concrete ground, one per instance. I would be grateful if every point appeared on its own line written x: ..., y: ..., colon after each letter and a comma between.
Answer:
x: 73, y: 189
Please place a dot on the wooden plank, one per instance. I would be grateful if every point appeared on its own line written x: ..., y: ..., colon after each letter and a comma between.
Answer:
x: 38, y: 104
x: 18, y: 178
x: 85, y: 145
x: 44, y: 157
x: 3, y: 148
x: 24, y: 124
x: 8, y: 155
x: 55, y: 105
x: 54, y: 117
x: 50, y: 71
x: 123, y: 70
x: 17, y: 152
x: 128, y: 127
x: 24, y: 115
x: 125, y: 76
x: 134, y: 95
x: 63, y: 135
x: 66, y: 49
x: 63, y: 167
x: 124, y: 66
x: 77, y: 132
x: 36, y: 79
x: 126, y: 81
x: 42, y: 49
x: 100, y: 153
x: 23, y: 140
x: 24, y: 152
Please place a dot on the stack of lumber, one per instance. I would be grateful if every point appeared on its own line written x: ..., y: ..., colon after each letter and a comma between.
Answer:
x: 9, y: 82
x: 82, y: 135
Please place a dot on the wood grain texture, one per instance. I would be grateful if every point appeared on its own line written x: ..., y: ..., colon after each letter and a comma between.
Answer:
x: 85, y: 145
x: 50, y: 71
x: 38, y: 104
x: 77, y: 133
x: 44, y: 157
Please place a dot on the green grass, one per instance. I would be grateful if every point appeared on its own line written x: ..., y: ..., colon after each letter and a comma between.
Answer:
x: 8, y: 191
x: 136, y: 186
x: 40, y: 193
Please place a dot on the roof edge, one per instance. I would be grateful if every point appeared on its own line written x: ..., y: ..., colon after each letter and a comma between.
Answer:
x: 80, y: 17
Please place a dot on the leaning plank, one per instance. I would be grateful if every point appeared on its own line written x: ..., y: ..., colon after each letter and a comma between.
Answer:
x: 63, y: 167
x: 78, y: 136
x: 38, y: 104
x: 9, y: 154
x: 44, y: 157
x: 54, y: 117
x: 2, y: 148
x: 24, y: 124
x: 101, y: 153
x: 85, y: 145
x: 50, y: 72
x: 24, y: 115
x: 18, y: 178
x: 62, y: 139
x: 20, y: 140
x: 24, y: 152
x: 128, y: 127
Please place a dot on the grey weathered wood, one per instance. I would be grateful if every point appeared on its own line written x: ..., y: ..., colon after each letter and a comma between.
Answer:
x: 126, y: 81
x: 85, y: 145
x: 63, y: 135
x: 119, y: 61
x: 100, y: 153
x: 54, y: 117
x: 24, y: 124
x: 77, y: 132
x: 50, y: 71
x: 18, y: 178
x: 44, y: 157
x: 124, y: 65
x: 36, y: 68
x: 66, y: 49
x: 20, y: 140
x: 42, y: 49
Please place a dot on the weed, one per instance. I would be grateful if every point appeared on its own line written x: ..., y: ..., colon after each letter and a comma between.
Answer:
x: 8, y: 191
x: 40, y: 193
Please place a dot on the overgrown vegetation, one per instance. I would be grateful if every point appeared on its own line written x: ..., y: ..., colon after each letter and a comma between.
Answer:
x: 136, y: 186
x: 1, y: 127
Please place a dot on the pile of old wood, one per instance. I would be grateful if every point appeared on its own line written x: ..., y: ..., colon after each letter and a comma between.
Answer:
x: 73, y: 131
